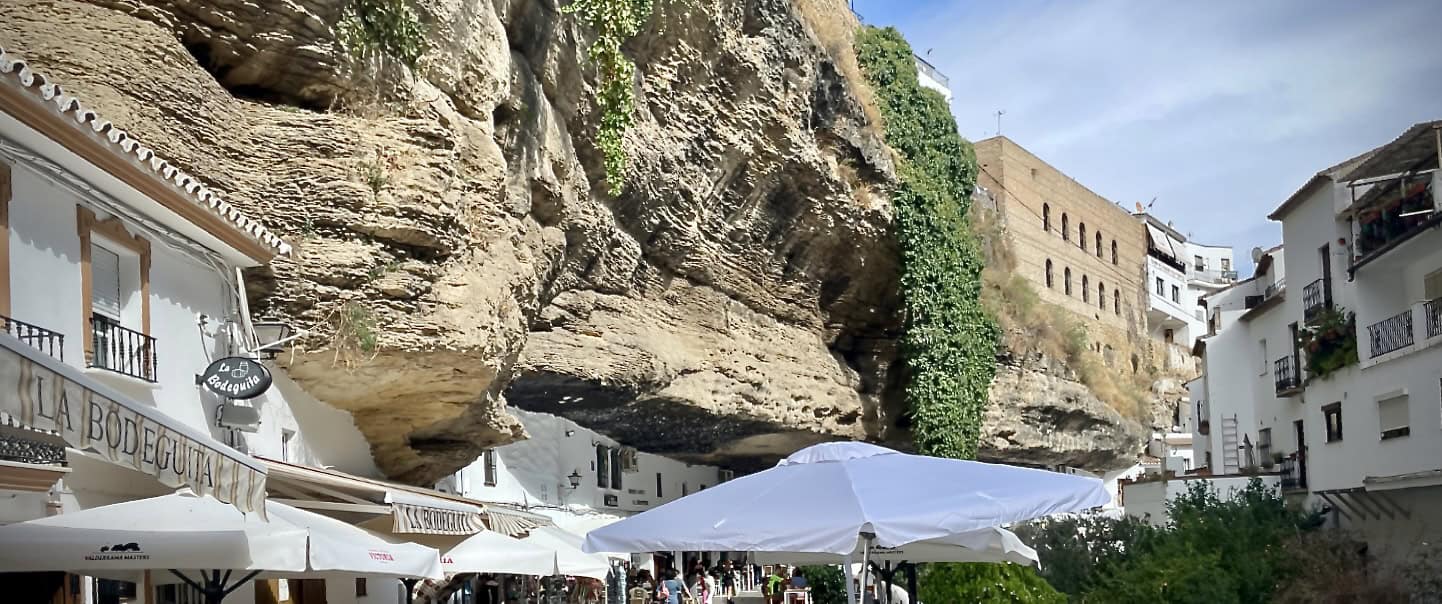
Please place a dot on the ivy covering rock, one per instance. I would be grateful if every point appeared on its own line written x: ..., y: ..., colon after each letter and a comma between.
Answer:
x: 949, y: 344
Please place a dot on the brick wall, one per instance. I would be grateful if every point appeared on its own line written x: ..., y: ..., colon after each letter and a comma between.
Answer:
x: 1026, y: 189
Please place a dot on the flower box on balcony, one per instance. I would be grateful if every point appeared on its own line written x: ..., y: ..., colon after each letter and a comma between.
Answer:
x: 1330, y: 342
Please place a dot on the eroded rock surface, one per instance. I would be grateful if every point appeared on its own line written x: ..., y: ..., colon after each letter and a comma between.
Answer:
x: 455, y: 248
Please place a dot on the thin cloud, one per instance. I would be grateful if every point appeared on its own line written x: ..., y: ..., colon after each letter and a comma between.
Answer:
x: 1220, y: 110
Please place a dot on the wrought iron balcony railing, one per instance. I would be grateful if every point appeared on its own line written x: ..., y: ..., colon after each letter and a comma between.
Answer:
x: 121, y: 350
x: 1432, y: 310
x: 24, y: 444
x: 1391, y: 334
x: 1316, y: 297
x: 1287, y: 376
x: 44, y: 340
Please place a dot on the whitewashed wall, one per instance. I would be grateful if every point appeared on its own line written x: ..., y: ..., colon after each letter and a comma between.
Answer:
x: 534, y: 471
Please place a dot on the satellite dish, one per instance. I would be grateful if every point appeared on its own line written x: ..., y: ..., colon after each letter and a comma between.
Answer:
x: 1256, y: 255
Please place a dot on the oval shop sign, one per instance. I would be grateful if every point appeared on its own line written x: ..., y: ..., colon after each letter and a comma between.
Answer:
x: 236, y: 377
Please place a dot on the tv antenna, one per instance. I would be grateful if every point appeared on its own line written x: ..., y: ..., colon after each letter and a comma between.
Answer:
x: 999, y: 113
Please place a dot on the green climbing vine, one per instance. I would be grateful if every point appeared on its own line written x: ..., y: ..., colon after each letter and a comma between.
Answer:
x: 615, y: 21
x: 392, y: 27
x: 949, y: 345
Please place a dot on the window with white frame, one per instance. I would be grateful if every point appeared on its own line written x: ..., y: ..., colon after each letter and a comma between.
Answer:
x: 1333, y: 415
x: 1392, y: 417
x: 1262, y: 344
x: 489, y: 470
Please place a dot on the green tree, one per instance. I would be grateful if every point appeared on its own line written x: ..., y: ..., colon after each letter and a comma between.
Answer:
x: 614, y: 21
x: 949, y: 344
x: 985, y: 584
x: 828, y: 584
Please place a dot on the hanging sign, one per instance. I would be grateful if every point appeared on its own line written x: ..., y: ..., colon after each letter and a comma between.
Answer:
x: 45, y: 394
x: 236, y: 377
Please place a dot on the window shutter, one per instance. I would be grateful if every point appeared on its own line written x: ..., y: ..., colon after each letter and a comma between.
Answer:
x: 1392, y: 413
x: 1432, y: 286
x: 105, y: 281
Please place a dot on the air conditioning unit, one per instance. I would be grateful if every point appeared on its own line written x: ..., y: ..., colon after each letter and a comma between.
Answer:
x: 238, y: 417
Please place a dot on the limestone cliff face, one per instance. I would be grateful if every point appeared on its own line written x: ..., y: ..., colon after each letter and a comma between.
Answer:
x: 456, y: 249
x: 457, y: 252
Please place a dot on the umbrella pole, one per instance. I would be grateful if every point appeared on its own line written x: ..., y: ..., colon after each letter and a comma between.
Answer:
x: 865, y: 561
x: 850, y: 580
x: 410, y: 589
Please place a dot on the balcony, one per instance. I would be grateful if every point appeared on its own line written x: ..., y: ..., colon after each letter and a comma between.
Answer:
x: 23, y: 444
x: 1409, y: 210
x: 1287, y: 377
x: 1294, y: 472
x: 44, y: 340
x: 1391, y: 334
x: 1316, y: 297
x: 1432, y: 312
x: 124, y: 351
x: 1213, y: 275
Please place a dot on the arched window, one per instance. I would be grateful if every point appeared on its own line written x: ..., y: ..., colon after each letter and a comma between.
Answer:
x: 1046, y: 217
x: 1081, y: 231
x: 1048, y: 273
x: 1086, y: 290
x: 1117, y: 302
x: 1066, y: 280
x: 1099, y: 244
x: 1114, y: 251
x: 1101, y: 295
x: 1065, y: 226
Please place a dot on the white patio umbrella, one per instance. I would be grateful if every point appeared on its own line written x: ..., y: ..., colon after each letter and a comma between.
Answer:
x: 837, y: 497
x: 184, y: 534
x: 987, y: 545
x: 492, y: 552
x: 570, y: 560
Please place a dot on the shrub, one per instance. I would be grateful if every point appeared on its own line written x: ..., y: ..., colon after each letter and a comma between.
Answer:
x: 391, y: 27
x: 828, y: 584
x: 985, y: 584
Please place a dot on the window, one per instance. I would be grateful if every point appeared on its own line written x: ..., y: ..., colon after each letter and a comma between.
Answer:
x: 1048, y: 273
x: 1392, y: 417
x: 1114, y: 251
x: 1101, y: 295
x: 1333, y: 415
x: 489, y: 457
x: 1065, y: 227
x: 115, y: 268
x: 1046, y: 217
x: 360, y: 587
x: 1066, y: 281
x: 1176, y: 294
x: 1169, y: 336
x: 603, y: 470
x: 1200, y: 262
x: 1117, y: 302
x: 1262, y: 344
x: 1086, y: 290
x: 1226, y: 264
x: 1432, y: 285
x: 1161, y: 288
x: 658, y: 486
x: 105, y: 295
x: 685, y: 489
x: 285, y: 438
x: 1099, y: 244
x: 1264, y: 444
x: 616, y: 468
x: 1081, y: 232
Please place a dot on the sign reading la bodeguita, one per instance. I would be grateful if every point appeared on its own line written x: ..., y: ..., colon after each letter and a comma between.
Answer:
x: 236, y: 377
x: 48, y: 395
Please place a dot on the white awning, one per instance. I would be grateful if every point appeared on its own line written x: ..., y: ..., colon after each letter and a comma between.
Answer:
x: 1165, y: 243
x: 513, y: 523
x: 413, y: 510
x: 45, y: 394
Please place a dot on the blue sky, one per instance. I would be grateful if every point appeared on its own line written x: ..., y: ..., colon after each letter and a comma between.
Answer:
x: 1219, y: 110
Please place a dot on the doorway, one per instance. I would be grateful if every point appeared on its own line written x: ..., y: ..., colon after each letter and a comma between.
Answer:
x: 1301, y: 453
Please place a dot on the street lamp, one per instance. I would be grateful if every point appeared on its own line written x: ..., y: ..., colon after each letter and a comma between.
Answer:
x: 271, y: 335
x: 574, y: 479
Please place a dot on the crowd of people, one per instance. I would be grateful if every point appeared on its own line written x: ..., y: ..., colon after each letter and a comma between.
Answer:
x: 718, y: 584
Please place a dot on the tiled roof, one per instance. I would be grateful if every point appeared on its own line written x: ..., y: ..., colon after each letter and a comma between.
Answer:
x: 128, y: 145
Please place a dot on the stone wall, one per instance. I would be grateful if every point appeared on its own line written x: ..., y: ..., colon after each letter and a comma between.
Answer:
x: 1027, y: 189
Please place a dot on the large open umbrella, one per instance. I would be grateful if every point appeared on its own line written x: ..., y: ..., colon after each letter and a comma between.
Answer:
x: 987, y: 545
x: 838, y: 498
x: 570, y: 560
x: 492, y: 552
x: 184, y: 534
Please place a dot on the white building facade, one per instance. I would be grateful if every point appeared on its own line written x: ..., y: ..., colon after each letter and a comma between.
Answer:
x: 1332, y: 377
x: 125, y: 273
